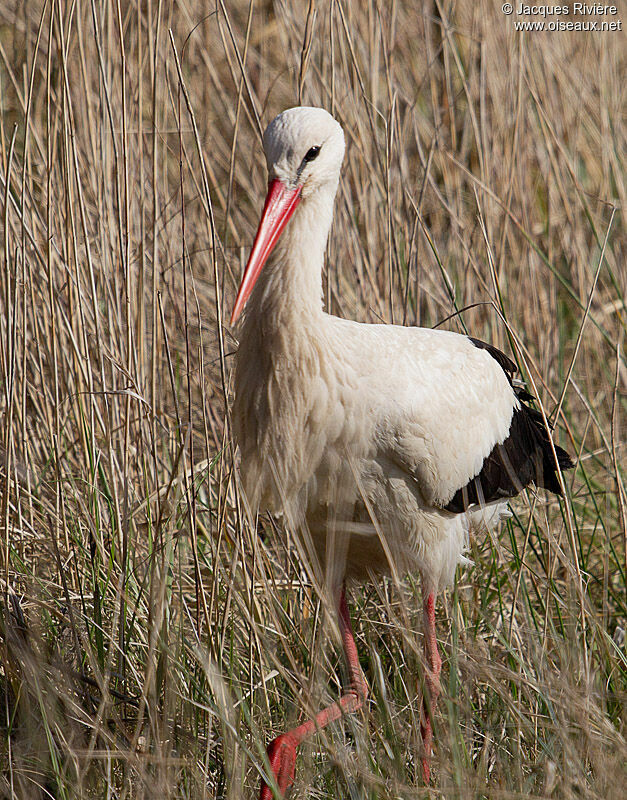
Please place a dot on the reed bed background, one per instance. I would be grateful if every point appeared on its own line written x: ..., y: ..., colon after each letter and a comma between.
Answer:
x: 152, y: 639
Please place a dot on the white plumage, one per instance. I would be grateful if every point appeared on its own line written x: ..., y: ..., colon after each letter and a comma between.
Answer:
x: 404, y: 416
x: 361, y: 435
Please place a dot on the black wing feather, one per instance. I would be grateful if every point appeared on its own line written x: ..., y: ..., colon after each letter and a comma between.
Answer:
x: 525, y: 457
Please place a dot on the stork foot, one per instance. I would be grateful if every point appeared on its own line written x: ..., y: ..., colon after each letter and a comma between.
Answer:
x: 282, y: 757
x: 426, y: 771
x: 427, y: 739
x: 282, y: 750
x: 432, y: 684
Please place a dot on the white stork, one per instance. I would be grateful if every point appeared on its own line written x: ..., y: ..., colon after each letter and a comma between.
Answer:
x: 387, y: 444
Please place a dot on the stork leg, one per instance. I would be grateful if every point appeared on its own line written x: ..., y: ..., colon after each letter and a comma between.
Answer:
x: 282, y: 750
x: 432, y: 681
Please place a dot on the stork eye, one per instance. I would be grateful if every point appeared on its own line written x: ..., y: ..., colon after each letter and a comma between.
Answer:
x: 311, y: 154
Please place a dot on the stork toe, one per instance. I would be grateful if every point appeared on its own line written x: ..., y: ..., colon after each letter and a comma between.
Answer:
x: 282, y: 757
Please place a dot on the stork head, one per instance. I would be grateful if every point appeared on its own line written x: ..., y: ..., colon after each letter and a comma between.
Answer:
x: 304, y: 150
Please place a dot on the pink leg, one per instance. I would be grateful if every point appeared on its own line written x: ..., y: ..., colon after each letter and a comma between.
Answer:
x: 282, y: 750
x: 432, y: 681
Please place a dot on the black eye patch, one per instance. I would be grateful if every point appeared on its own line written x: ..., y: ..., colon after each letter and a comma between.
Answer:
x: 311, y: 154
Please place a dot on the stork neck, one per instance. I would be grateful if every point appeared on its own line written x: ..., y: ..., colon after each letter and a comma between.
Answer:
x: 289, y: 290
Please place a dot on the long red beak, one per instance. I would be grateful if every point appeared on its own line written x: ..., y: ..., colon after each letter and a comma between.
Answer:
x: 280, y: 204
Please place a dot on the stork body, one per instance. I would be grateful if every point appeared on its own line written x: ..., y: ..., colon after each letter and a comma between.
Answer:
x: 386, y: 444
x: 369, y: 421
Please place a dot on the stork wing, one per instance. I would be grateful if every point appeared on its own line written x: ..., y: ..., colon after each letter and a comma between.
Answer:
x: 470, y: 438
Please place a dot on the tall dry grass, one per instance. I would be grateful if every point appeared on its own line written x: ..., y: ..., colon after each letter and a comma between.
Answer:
x: 151, y: 640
